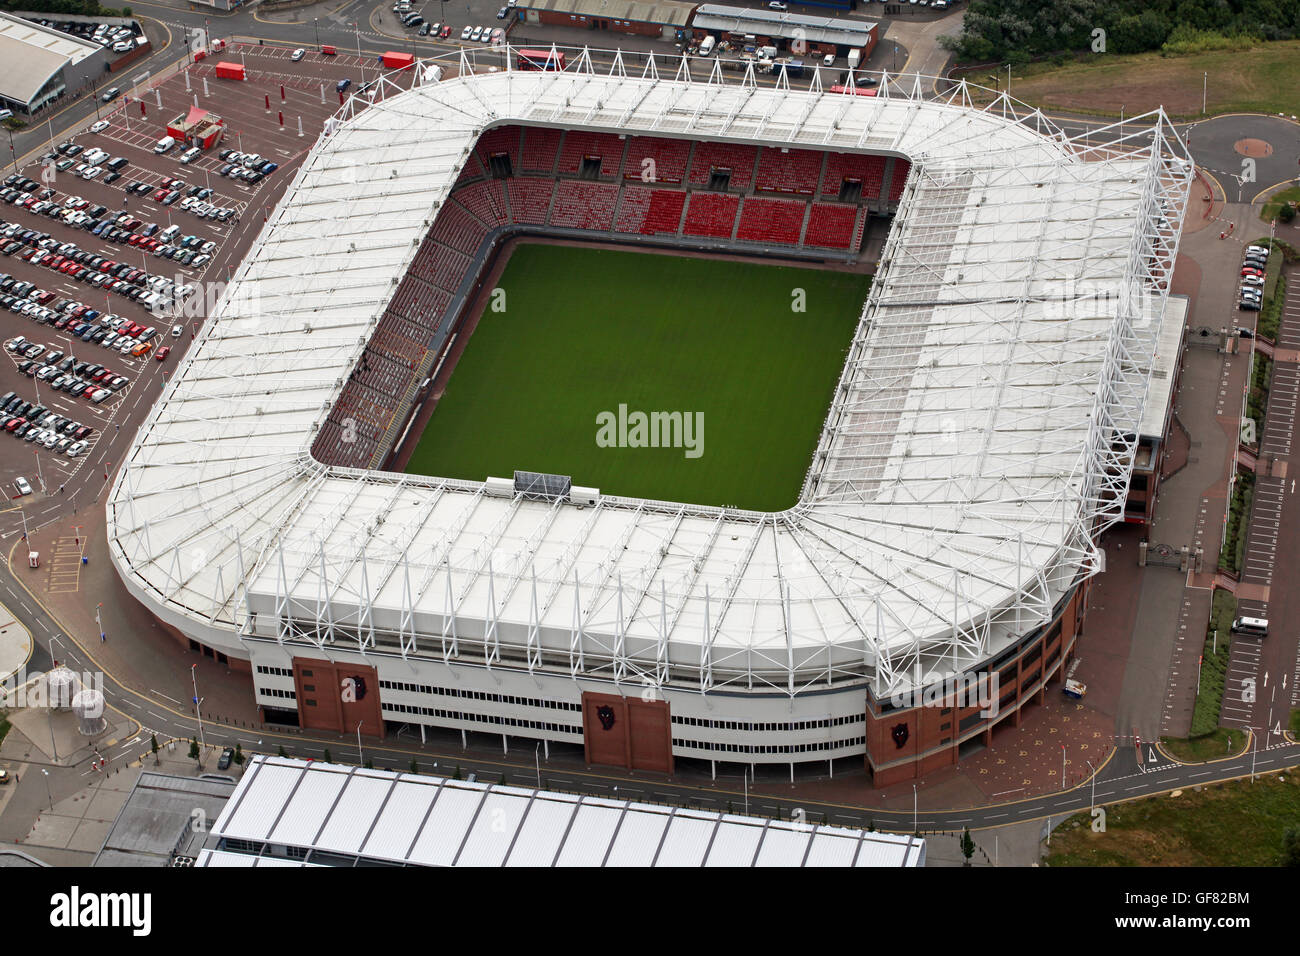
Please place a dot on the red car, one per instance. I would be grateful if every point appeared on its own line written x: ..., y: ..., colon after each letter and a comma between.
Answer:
x: 160, y: 194
x: 163, y: 352
x: 89, y: 390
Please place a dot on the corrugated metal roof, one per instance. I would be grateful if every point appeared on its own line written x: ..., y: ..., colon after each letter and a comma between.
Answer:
x: 665, y: 12
x: 773, y: 23
x: 31, y: 54
x: 476, y: 824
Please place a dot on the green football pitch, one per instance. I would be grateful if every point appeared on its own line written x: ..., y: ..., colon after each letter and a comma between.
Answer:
x: 587, y: 338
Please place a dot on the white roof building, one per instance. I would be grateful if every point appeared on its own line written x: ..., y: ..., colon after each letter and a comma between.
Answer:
x: 289, y: 812
x: 33, y: 57
x: 980, y: 438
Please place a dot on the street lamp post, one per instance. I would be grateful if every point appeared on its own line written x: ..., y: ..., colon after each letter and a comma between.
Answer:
x: 1205, y: 91
x: 361, y: 757
x: 46, y: 774
x: 915, y: 827
x: 537, y: 762
x: 316, y: 23
x: 1092, y: 799
x: 198, y: 711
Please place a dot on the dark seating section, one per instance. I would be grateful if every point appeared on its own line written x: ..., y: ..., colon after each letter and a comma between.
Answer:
x: 639, y: 185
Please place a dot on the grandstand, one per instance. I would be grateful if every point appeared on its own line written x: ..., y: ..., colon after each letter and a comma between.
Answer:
x: 980, y: 439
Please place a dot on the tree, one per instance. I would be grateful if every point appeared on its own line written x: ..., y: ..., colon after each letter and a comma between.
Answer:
x: 502, y: 781
x: 1291, y: 847
x: 327, y: 758
x: 967, y: 845
x: 415, y: 765
x: 194, y: 748
x: 281, y: 752
x: 239, y: 755
x: 455, y: 774
x: 1286, y: 213
x: 153, y: 745
x: 369, y: 764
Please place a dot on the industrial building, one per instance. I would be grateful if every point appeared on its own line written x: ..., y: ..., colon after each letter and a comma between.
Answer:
x: 38, y: 65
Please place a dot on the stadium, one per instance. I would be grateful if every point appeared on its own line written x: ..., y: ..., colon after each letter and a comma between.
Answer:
x: 978, y: 438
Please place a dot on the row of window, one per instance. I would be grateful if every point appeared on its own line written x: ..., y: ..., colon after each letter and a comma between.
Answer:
x: 680, y: 742
x: 276, y: 692
x: 782, y: 726
x: 479, y: 695
x: 275, y: 671
x: 393, y: 710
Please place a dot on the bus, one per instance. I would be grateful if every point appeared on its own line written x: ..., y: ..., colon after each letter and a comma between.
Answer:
x: 857, y: 90
x: 540, y: 60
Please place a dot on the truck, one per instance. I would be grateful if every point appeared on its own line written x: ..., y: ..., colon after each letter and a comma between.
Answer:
x: 855, y: 57
x: 706, y: 45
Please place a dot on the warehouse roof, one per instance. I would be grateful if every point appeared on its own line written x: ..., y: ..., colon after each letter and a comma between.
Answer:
x: 665, y: 12
x: 773, y: 23
x: 297, y: 812
x: 31, y: 54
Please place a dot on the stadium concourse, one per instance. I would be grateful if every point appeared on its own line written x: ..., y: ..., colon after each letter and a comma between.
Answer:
x: 980, y: 438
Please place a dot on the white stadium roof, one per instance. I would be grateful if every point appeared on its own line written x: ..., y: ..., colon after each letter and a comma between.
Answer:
x: 980, y: 437
x: 289, y: 812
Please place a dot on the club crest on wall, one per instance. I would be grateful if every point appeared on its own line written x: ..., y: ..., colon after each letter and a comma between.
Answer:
x: 605, y: 714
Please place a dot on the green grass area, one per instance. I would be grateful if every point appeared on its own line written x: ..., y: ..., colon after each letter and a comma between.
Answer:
x: 4, y: 727
x: 1261, y: 381
x: 1295, y: 723
x: 1232, y: 824
x: 1274, y: 293
x: 1234, y: 539
x: 1268, y: 211
x: 1224, y: 742
x: 1258, y: 79
x: 584, y: 331
x: 1214, y: 668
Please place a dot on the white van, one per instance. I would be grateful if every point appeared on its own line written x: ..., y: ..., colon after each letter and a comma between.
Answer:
x: 164, y: 145
x: 96, y: 156
x: 190, y: 154
x: 167, y: 234
x: 707, y: 46
x: 1252, y: 626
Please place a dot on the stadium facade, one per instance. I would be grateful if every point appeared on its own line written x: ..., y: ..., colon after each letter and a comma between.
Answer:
x: 980, y: 439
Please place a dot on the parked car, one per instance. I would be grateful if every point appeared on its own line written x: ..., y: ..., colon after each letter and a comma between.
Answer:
x: 297, y: 54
